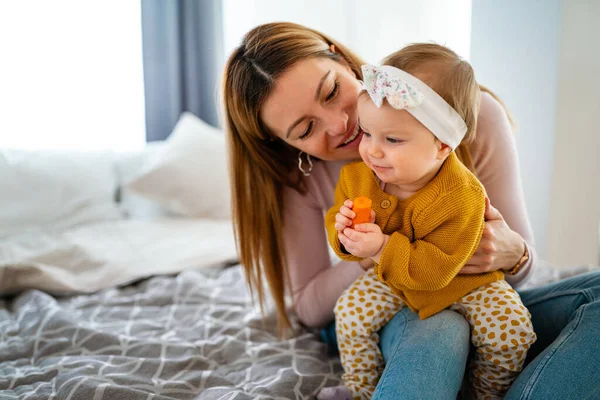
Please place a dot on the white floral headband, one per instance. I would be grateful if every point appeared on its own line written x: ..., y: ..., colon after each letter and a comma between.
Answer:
x: 405, y: 92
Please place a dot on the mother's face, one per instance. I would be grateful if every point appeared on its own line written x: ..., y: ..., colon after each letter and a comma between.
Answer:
x: 313, y: 108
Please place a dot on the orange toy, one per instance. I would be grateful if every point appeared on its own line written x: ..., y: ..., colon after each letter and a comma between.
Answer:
x: 362, y: 208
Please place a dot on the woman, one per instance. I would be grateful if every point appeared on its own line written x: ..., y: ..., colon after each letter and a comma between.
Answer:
x: 290, y: 103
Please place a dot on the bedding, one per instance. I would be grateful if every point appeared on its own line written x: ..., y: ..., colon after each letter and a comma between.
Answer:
x: 188, y: 176
x: 58, y: 188
x: 94, y: 256
x: 129, y: 165
x: 190, y: 336
x: 194, y: 335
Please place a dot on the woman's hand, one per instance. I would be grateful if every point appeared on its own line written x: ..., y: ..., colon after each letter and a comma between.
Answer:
x: 500, y: 247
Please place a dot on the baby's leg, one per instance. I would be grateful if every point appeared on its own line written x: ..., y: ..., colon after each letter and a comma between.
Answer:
x: 364, y: 308
x: 501, y: 332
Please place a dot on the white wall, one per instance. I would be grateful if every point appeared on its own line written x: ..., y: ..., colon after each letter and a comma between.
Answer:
x: 514, y: 50
x: 575, y: 203
x: 528, y: 52
x: 385, y: 26
x: 372, y: 28
x: 239, y: 16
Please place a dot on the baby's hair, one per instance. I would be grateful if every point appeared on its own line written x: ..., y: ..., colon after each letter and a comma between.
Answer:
x: 445, y: 72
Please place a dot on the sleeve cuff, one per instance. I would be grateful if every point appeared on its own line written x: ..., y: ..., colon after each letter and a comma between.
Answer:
x: 393, y: 256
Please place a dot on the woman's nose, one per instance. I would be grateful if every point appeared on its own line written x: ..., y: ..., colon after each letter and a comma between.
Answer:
x: 338, y: 125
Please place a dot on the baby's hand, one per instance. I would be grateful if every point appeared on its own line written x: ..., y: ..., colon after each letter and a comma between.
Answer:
x: 366, y: 240
x: 343, y: 219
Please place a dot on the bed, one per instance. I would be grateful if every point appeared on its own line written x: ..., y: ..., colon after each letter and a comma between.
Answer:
x: 122, y: 284
x: 190, y: 336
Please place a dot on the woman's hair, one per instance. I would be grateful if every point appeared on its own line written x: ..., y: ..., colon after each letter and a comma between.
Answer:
x: 261, y: 164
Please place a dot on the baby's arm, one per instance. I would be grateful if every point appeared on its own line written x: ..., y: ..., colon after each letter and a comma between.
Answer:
x: 345, y: 216
x: 339, y: 214
x: 315, y: 283
x: 365, y: 241
x: 357, y: 233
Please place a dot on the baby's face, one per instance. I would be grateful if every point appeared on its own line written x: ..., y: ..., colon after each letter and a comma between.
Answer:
x: 396, y: 146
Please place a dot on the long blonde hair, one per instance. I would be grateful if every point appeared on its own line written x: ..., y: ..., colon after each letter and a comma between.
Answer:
x: 261, y: 165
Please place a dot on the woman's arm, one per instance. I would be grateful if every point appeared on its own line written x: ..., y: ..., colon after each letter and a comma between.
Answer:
x: 315, y: 285
x: 496, y: 163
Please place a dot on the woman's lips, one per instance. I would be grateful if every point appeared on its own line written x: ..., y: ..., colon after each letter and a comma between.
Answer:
x: 353, y: 131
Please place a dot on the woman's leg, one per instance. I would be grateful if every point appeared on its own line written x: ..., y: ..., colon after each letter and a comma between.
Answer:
x: 564, y: 363
x: 425, y: 359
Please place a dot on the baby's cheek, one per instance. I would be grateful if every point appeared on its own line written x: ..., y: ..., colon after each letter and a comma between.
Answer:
x: 362, y: 149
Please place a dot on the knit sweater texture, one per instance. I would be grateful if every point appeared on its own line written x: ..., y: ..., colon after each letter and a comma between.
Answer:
x: 433, y: 234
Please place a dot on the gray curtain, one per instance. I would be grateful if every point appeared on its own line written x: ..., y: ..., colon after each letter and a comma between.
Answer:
x: 183, y: 60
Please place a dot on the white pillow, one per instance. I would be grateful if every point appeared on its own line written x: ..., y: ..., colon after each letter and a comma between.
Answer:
x: 129, y: 166
x: 55, y: 189
x: 189, y: 177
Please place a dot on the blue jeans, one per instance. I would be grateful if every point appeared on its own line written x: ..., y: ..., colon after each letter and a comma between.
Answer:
x: 425, y: 359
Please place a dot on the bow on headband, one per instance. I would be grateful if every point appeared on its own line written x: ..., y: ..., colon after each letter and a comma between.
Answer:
x: 399, y: 93
x: 404, y: 91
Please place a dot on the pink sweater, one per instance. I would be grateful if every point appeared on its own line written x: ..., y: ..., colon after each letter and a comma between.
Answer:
x: 316, y: 283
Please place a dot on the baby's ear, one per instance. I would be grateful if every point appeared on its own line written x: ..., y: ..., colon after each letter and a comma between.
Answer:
x: 443, y: 151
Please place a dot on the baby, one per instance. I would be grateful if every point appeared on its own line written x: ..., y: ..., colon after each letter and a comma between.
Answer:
x: 427, y: 222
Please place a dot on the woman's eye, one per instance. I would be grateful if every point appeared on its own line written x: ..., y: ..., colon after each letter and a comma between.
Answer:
x: 307, y: 132
x: 333, y: 92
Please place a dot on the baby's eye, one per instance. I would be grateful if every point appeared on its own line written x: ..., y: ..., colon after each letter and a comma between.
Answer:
x: 394, y: 141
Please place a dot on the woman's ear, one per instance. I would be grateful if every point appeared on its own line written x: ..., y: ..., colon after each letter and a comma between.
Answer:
x: 332, y: 48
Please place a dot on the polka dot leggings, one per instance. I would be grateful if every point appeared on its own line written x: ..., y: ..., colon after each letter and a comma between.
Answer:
x: 501, y: 332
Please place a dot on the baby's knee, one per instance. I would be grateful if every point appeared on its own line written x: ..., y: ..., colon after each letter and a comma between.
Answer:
x: 343, y: 303
x: 346, y: 315
x: 501, y: 336
x: 518, y: 338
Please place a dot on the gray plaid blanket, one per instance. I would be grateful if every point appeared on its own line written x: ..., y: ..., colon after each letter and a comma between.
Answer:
x: 192, y: 336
